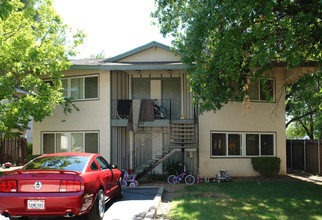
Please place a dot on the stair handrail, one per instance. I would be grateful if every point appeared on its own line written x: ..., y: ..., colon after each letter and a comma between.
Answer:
x: 136, y: 149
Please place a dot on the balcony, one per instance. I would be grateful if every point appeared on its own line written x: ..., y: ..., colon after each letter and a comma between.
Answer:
x: 158, y: 112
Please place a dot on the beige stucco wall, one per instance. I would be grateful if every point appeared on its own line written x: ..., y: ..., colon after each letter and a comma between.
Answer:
x: 153, y: 54
x: 261, y: 117
x: 94, y: 115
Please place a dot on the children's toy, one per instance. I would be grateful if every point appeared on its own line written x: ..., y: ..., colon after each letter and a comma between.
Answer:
x: 187, y: 178
x: 129, y: 179
x: 223, y: 176
x: 7, y: 165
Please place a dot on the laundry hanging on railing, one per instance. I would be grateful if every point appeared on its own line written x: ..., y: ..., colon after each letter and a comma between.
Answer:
x: 140, y: 111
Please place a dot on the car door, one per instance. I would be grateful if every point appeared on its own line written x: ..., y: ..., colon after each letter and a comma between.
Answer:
x: 106, y: 175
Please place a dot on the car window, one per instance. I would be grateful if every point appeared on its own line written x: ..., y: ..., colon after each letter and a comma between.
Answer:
x: 94, y: 166
x: 73, y: 163
x: 102, y: 162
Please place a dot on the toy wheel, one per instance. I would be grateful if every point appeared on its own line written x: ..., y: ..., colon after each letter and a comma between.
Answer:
x: 189, y: 179
x: 124, y: 183
x: 172, y: 179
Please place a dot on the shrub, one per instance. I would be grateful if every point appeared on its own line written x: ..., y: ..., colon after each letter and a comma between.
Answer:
x: 171, y: 166
x: 266, y: 166
x: 29, y: 148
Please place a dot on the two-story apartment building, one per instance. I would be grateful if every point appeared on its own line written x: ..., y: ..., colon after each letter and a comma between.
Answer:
x: 116, y: 117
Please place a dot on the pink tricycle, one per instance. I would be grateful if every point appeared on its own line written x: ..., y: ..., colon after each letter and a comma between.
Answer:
x: 127, y: 178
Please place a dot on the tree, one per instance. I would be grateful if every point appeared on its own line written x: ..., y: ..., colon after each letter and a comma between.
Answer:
x: 100, y: 55
x: 304, y: 107
x: 226, y: 42
x: 33, y: 46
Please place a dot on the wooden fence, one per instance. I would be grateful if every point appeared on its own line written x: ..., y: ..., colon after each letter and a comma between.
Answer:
x: 13, y: 150
x: 304, y: 155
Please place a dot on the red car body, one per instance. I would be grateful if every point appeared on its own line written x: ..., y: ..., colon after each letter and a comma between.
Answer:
x: 40, y: 189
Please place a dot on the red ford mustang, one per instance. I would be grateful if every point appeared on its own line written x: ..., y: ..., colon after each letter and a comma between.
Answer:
x: 62, y: 184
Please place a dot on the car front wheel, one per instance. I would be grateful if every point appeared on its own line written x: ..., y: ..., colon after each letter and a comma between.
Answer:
x: 98, y: 209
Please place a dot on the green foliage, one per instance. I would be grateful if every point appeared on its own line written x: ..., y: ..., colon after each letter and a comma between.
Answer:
x: 29, y: 148
x: 304, y: 107
x: 31, y: 157
x: 266, y: 166
x: 157, y: 177
x: 100, y: 55
x: 33, y: 46
x: 224, y: 42
x: 171, y: 166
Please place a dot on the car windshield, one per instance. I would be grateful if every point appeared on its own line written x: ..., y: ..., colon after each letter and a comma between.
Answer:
x: 72, y: 163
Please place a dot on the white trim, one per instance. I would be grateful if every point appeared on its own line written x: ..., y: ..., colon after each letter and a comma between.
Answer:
x: 243, y: 144
x: 69, y: 139
x: 69, y: 79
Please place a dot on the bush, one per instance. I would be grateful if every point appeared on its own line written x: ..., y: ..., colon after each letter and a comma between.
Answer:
x: 172, y: 166
x: 157, y: 177
x: 266, y: 166
x: 29, y: 148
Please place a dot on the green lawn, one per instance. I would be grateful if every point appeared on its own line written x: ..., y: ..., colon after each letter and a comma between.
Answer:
x: 249, y: 200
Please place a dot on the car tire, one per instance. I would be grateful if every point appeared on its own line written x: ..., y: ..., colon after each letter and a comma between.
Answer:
x: 98, y: 209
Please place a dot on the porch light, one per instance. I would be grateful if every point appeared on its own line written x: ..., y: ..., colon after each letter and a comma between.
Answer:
x: 169, y: 71
x: 138, y: 71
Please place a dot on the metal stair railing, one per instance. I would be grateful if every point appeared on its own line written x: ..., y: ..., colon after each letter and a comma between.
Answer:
x: 127, y: 158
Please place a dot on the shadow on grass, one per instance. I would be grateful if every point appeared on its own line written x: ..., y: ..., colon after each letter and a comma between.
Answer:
x: 249, y: 200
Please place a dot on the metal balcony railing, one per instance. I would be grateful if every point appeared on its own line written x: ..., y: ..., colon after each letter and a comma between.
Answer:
x: 121, y: 108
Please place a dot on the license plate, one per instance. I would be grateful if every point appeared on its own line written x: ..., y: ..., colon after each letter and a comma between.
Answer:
x: 36, y: 204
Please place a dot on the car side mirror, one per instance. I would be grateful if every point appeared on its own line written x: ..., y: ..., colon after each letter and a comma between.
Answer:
x: 114, y: 166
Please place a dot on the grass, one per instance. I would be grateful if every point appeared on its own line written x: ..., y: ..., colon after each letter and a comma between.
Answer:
x: 1, y: 173
x: 249, y: 200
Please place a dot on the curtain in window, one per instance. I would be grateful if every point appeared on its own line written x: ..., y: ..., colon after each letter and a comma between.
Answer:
x: 61, y: 142
x: 77, y: 144
x: 77, y: 88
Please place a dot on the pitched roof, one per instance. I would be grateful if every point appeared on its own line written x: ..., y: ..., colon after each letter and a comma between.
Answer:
x: 112, y: 64
x: 138, y: 50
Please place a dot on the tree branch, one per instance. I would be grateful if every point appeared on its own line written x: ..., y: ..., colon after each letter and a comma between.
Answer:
x: 300, y: 117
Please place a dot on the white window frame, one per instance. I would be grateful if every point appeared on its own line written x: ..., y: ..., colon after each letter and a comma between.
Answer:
x: 69, y: 133
x: 259, y: 90
x: 69, y: 86
x: 243, y: 144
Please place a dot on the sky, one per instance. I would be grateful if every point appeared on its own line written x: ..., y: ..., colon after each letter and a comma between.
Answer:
x: 111, y: 26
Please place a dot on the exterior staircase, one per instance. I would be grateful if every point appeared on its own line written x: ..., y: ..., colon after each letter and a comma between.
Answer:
x: 182, y: 137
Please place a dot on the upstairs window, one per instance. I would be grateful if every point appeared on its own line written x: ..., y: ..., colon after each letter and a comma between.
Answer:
x: 256, y: 90
x: 81, y: 88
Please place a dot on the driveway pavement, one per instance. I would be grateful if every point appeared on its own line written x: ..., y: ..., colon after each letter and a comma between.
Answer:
x: 137, y: 203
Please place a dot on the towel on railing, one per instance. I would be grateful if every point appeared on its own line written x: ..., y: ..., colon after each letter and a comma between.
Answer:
x: 141, y: 111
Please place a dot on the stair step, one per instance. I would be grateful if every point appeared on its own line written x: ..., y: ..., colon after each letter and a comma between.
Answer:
x: 177, y: 142
x: 146, y: 165
x: 183, y: 134
x: 158, y: 156
x: 152, y: 160
x: 183, y: 127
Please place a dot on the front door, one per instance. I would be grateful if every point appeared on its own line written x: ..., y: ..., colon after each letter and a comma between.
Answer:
x: 171, y: 90
x: 141, y: 88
